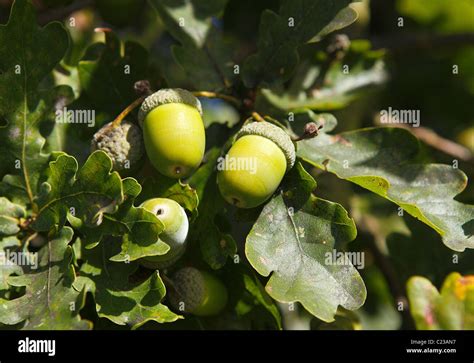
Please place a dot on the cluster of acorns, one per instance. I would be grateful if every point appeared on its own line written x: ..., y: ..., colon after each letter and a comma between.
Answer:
x: 173, y: 133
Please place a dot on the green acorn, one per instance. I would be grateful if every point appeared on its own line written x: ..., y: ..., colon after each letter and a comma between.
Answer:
x: 176, y: 224
x: 267, y: 153
x: 197, y: 292
x: 173, y: 131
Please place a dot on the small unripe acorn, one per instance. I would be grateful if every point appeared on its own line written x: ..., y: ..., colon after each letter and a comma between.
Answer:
x: 256, y: 164
x: 123, y: 143
x: 197, y: 292
x: 176, y: 224
x: 173, y: 131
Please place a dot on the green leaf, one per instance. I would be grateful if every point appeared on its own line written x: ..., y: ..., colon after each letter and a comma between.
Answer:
x: 278, y: 41
x: 143, y: 226
x: 383, y: 160
x: 217, y: 111
x: 87, y: 193
x: 107, y: 74
x: 60, y: 136
x: 247, y: 292
x: 344, y: 320
x: 139, y: 227
x: 216, y: 245
x: 452, y: 309
x: 119, y: 298
x: 98, y: 203
x: 342, y: 19
x: 189, y: 21
x: 10, y: 215
x: 29, y: 53
x: 421, y: 251
x: 7, y: 266
x: 210, y: 67
x: 366, y: 70
x: 50, y: 301
x: 159, y: 186
x: 293, y: 238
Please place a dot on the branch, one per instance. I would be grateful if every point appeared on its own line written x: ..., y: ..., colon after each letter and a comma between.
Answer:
x: 256, y: 116
x: 432, y: 139
x: 127, y: 110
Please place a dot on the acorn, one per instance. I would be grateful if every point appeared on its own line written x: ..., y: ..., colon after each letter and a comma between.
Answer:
x: 173, y: 131
x: 175, y: 232
x: 197, y: 292
x: 255, y: 165
x: 123, y: 143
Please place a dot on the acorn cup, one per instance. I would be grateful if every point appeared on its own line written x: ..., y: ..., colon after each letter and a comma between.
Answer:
x: 270, y: 151
x: 123, y: 143
x: 173, y: 131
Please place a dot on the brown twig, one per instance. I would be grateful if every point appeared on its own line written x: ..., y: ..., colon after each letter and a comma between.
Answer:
x: 102, y: 30
x: 257, y: 117
x: 436, y: 141
x: 127, y: 110
x: 142, y: 88
x: 311, y: 129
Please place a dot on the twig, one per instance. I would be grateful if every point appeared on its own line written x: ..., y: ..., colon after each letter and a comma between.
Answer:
x: 102, y: 30
x: 432, y: 139
x: 208, y: 94
x: 27, y: 240
x: 311, y: 129
x: 127, y: 110
x: 256, y: 116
